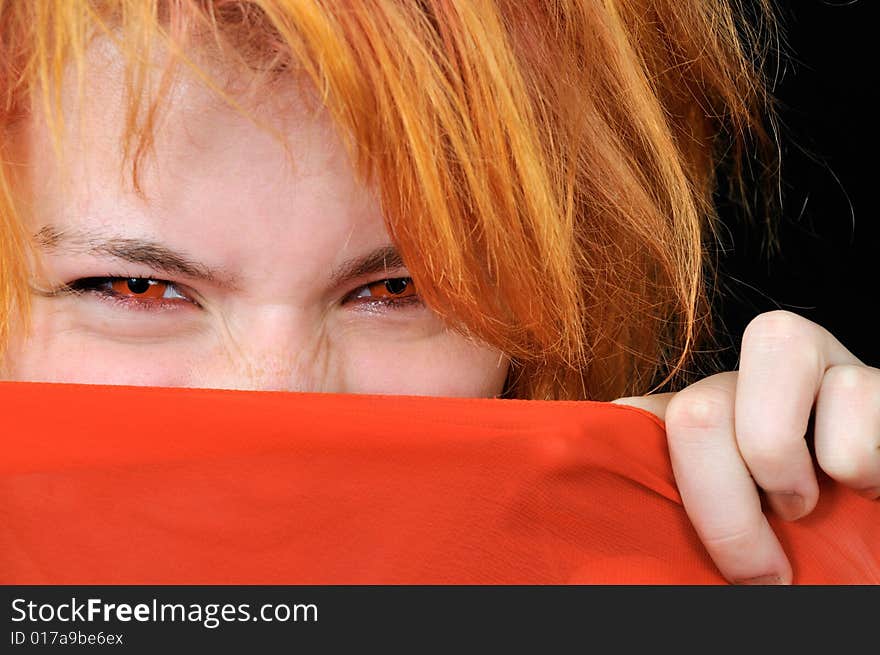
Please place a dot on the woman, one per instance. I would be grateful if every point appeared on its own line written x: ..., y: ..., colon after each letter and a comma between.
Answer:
x: 437, y: 198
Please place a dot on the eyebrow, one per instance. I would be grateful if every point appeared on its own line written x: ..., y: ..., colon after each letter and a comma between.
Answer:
x: 381, y: 260
x: 168, y: 261
x: 133, y: 250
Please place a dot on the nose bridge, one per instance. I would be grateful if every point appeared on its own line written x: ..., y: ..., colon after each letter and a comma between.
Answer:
x: 273, y: 349
x: 274, y: 375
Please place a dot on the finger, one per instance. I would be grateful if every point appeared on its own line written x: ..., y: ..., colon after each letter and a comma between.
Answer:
x: 783, y: 360
x: 718, y: 493
x: 848, y: 427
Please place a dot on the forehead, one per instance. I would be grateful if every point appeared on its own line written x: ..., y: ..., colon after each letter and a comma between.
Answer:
x: 182, y: 116
x: 213, y: 174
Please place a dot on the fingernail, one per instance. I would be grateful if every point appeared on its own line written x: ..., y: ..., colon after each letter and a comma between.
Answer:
x: 788, y: 504
x: 761, y: 580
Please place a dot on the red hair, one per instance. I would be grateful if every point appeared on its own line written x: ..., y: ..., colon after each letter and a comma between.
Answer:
x: 546, y: 169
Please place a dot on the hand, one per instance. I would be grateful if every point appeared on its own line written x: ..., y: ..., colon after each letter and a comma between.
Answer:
x: 733, y: 433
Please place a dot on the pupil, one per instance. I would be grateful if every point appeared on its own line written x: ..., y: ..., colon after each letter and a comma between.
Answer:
x: 138, y: 284
x: 396, y: 286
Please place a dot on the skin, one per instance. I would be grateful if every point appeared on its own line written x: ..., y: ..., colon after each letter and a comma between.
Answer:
x: 734, y: 434
x: 221, y: 193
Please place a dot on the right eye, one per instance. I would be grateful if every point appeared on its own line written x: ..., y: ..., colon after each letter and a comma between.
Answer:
x: 137, y: 293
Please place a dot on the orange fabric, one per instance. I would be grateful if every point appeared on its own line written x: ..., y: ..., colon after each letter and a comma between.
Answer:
x: 144, y: 485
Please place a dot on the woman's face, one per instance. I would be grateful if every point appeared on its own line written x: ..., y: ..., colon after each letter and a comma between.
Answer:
x: 247, y: 273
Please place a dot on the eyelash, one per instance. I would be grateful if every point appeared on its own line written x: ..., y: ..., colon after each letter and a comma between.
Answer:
x: 93, y: 285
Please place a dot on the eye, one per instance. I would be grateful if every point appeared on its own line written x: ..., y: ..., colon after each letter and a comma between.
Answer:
x: 141, y: 287
x: 391, y: 292
x: 133, y: 292
x: 398, y: 287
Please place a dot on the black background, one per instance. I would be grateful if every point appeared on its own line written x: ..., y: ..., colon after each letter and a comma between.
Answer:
x: 826, y: 266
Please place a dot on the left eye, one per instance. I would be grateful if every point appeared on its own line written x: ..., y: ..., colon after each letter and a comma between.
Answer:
x: 398, y: 287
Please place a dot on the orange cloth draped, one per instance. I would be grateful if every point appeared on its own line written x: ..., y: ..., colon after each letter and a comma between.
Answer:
x: 145, y: 485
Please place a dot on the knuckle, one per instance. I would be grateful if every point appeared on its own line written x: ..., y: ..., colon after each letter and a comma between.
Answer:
x: 704, y: 407
x: 778, y: 320
x: 851, y: 460
x: 849, y: 406
x: 851, y: 379
x: 779, y: 330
